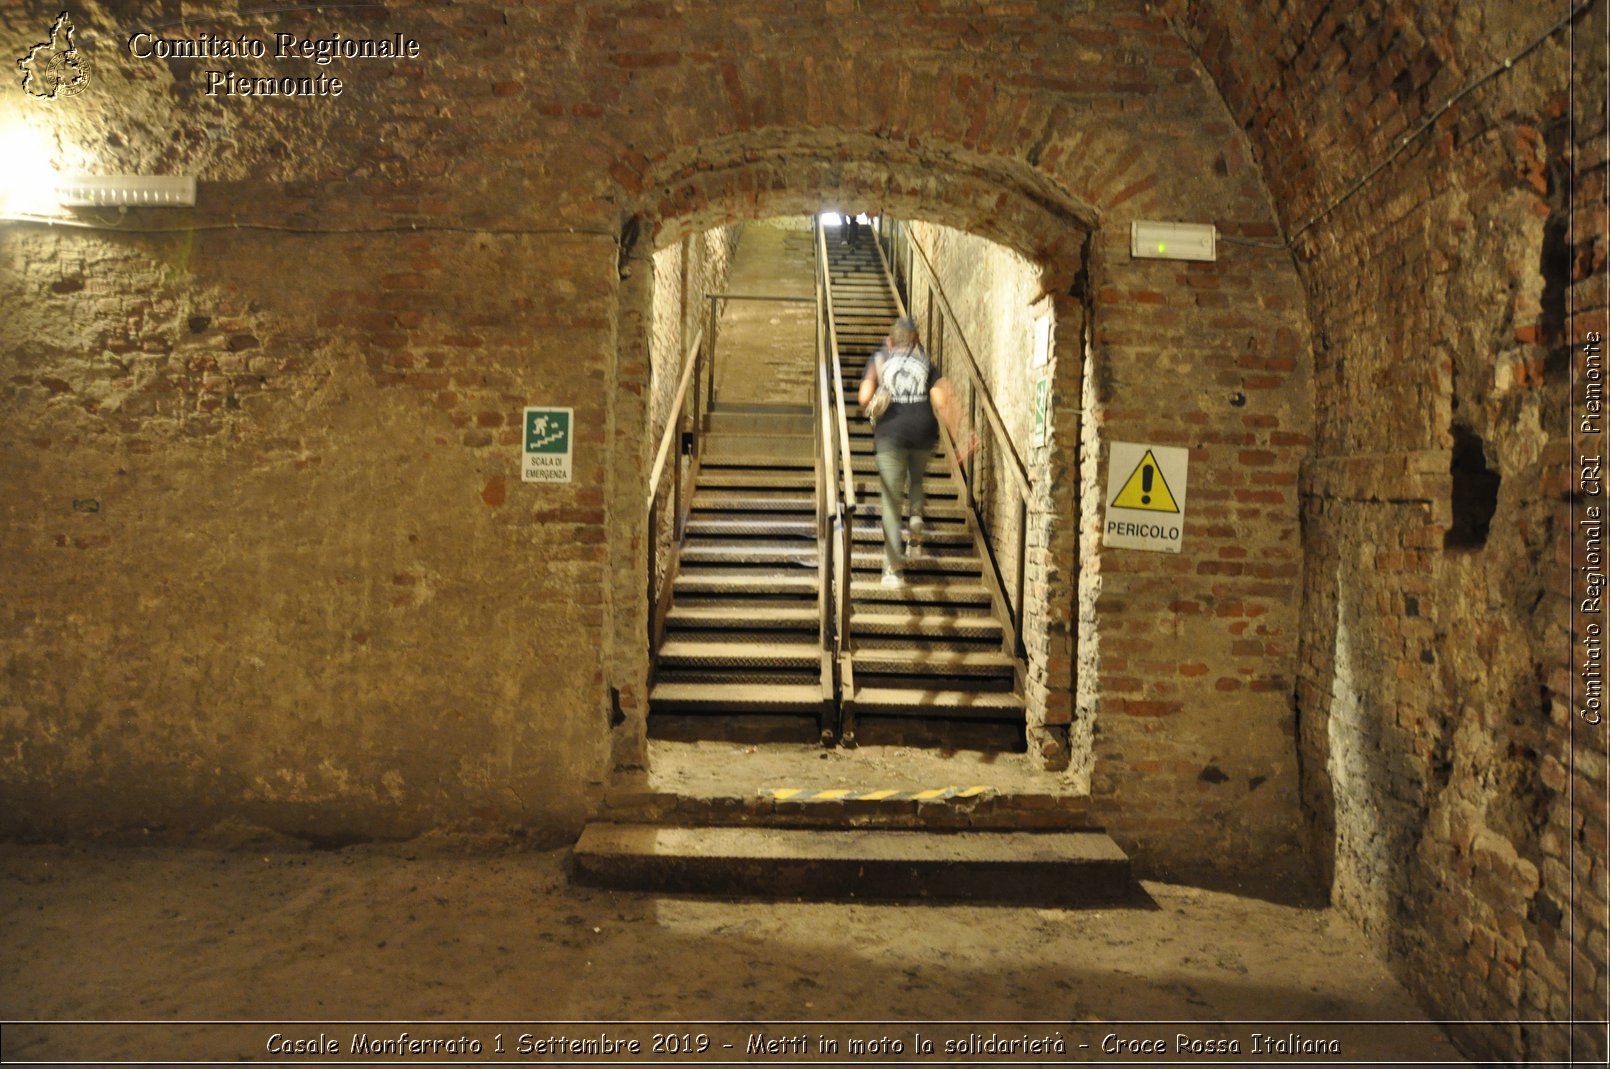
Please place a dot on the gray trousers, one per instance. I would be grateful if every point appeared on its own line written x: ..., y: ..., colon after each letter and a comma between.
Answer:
x: 899, y: 467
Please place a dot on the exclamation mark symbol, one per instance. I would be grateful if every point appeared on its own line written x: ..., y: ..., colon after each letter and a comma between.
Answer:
x: 1146, y: 484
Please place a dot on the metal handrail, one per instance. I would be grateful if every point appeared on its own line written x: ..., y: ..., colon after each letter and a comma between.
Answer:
x: 979, y: 391
x: 675, y: 418
x: 690, y: 361
x: 829, y: 508
x: 846, y: 469
x: 845, y: 519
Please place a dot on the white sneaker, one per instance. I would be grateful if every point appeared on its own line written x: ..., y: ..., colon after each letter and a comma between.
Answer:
x: 892, y: 578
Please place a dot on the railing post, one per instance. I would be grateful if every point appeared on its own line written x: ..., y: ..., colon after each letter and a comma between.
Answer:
x: 1022, y: 546
x: 653, y: 577
x: 694, y: 401
x: 972, y: 458
x: 710, y: 340
x: 676, y: 497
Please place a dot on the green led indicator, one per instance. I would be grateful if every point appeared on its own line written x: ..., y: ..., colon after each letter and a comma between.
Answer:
x: 1161, y: 248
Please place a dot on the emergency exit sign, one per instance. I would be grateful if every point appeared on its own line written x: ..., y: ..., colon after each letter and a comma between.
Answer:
x: 549, y: 434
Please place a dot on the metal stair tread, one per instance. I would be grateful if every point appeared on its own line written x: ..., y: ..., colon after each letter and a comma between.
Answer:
x: 873, y: 590
x: 928, y: 657
x: 918, y: 622
x: 754, y: 582
x: 730, y: 697
x: 936, y: 698
x: 740, y: 616
x: 679, y: 649
x: 719, y: 525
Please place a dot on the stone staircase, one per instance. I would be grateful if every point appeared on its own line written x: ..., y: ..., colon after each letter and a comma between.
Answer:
x: 935, y: 648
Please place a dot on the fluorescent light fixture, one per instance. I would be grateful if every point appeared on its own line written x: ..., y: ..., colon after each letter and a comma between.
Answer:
x: 1173, y: 241
x: 126, y: 190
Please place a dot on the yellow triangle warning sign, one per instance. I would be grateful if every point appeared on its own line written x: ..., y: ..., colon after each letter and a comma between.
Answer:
x: 1146, y: 488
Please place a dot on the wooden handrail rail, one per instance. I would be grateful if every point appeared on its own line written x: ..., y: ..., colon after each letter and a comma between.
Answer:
x: 673, y: 421
x: 1018, y: 472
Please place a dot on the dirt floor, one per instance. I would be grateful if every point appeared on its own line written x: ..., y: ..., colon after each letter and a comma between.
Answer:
x: 453, y: 933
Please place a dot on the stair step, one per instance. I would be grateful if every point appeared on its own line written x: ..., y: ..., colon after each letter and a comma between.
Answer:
x: 804, y: 478
x: 726, y: 421
x: 692, y: 652
x: 865, y: 464
x: 918, y: 593
x: 758, y: 526
x: 917, y: 660
x: 1047, y: 868
x: 783, y: 460
x: 760, y: 583
x: 736, y: 698
x: 704, y: 501
x: 917, y: 621
x: 938, y: 488
x: 801, y: 556
x: 726, y: 446
x: 913, y: 701
x: 749, y: 618
x: 938, y: 516
x: 920, y: 564
x: 934, y: 535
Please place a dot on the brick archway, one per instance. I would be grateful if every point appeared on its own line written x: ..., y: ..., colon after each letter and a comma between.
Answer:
x: 996, y: 200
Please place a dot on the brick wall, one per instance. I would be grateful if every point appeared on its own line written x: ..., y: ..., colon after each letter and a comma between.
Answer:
x: 1440, y: 746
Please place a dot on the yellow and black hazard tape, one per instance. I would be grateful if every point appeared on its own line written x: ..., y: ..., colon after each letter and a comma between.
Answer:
x: 892, y: 794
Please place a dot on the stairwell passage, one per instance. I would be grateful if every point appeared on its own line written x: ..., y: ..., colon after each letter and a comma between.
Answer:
x: 771, y: 604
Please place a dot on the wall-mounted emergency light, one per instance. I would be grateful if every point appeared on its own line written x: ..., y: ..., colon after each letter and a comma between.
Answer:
x: 1173, y: 241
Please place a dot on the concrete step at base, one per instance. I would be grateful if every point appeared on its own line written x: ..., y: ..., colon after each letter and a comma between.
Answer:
x: 1049, y: 868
